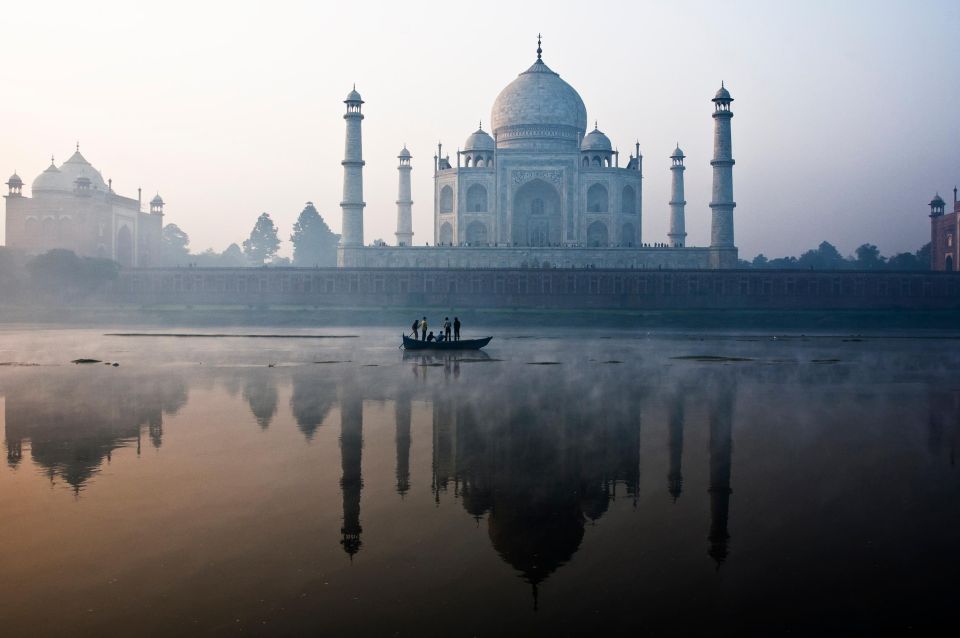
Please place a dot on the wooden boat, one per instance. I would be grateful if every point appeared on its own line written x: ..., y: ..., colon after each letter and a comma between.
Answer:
x: 463, y: 344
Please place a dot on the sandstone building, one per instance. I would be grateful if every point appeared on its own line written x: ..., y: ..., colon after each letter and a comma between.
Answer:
x: 71, y: 207
x: 944, y: 234
x: 539, y: 190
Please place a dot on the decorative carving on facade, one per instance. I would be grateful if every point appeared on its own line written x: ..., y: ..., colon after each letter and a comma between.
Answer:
x: 550, y: 176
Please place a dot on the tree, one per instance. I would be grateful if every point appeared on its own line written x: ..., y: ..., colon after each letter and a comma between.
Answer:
x: 825, y: 257
x: 760, y: 261
x: 174, y: 246
x: 923, y: 256
x: 905, y: 261
x: 868, y: 257
x: 314, y: 244
x: 263, y: 243
x: 233, y: 256
x: 61, y: 271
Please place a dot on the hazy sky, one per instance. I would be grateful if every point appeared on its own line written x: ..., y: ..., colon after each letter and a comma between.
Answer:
x: 847, y: 114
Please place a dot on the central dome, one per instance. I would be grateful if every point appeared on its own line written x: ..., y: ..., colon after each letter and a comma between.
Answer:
x: 538, y: 110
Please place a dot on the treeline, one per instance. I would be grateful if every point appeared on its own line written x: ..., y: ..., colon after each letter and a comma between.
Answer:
x: 314, y: 244
x: 827, y: 257
x: 58, y: 274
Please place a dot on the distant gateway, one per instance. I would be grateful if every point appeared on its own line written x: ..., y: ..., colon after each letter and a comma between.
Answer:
x: 541, y: 192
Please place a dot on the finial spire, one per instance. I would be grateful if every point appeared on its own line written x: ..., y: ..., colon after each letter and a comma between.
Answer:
x: 539, y: 49
x: 78, y: 146
x: 596, y: 126
x: 51, y: 161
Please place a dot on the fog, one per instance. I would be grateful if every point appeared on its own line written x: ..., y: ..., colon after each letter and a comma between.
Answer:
x: 338, y: 486
x: 845, y: 113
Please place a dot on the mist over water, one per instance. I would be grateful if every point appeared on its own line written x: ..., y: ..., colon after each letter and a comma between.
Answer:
x: 562, y: 482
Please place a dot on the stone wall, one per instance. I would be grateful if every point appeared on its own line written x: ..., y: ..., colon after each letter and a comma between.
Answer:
x: 541, y: 288
x: 523, y: 257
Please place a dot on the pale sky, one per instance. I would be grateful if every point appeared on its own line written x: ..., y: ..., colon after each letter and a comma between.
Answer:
x: 847, y: 114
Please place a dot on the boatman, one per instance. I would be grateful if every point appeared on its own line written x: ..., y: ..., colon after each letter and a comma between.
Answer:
x: 423, y: 329
x: 456, y: 328
x: 446, y: 328
x: 415, y: 327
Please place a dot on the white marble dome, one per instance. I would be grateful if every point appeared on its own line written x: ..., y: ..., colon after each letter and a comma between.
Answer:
x: 596, y: 140
x: 78, y: 167
x: 538, y: 105
x: 479, y: 140
x: 51, y: 179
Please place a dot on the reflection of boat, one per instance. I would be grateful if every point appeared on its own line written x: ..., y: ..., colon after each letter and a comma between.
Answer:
x: 463, y: 344
x: 454, y: 356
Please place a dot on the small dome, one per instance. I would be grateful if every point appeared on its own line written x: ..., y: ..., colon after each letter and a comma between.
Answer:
x: 14, y: 180
x: 723, y: 94
x: 157, y: 200
x: 353, y: 96
x: 677, y: 153
x: 479, y: 140
x: 404, y: 153
x: 937, y: 200
x: 51, y: 180
x: 596, y: 141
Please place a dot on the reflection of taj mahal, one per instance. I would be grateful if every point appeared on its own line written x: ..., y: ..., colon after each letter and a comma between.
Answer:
x: 540, y: 191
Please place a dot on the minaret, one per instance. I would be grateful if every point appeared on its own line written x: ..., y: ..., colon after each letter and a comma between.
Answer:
x: 678, y: 233
x: 352, y: 204
x: 404, y: 203
x: 722, y: 205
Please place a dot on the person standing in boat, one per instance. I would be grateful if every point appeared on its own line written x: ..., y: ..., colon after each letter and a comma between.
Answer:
x: 456, y: 328
x: 423, y: 329
x: 416, y: 328
x: 446, y: 328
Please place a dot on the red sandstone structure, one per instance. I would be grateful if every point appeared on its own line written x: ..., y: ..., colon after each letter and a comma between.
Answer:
x: 944, y: 234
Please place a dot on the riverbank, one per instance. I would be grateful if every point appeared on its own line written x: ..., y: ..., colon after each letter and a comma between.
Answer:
x: 912, y: 322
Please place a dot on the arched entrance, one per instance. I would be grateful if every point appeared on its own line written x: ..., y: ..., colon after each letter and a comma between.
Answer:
x: 125, y: 247
x: 477, y: 233
x: 949, y: 264
x: 536, y: 215
x: 597, y: 235
x: 446, y: 234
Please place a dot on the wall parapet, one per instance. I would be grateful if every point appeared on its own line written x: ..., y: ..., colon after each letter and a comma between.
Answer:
x: 556, y: 288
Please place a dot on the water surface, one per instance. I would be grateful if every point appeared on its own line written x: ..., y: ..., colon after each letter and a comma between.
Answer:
x: 561, y: 483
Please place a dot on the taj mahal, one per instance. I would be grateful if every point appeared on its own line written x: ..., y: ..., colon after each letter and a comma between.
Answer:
x: 539, y: 191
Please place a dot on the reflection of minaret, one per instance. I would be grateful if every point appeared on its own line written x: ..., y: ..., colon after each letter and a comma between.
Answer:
x: 14, y: 452
x: 675, y: 476
x: 351, y: 450
x: 721, y: 448
x: 403, y: 444
x: 155, y: 429
x: 444, y: 445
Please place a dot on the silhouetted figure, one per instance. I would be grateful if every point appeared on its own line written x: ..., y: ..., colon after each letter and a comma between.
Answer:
x: 415, y: 328
x: 456, y: 328
x: 446, y: 328
x: 423, y: 329
x: 430, y: 336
